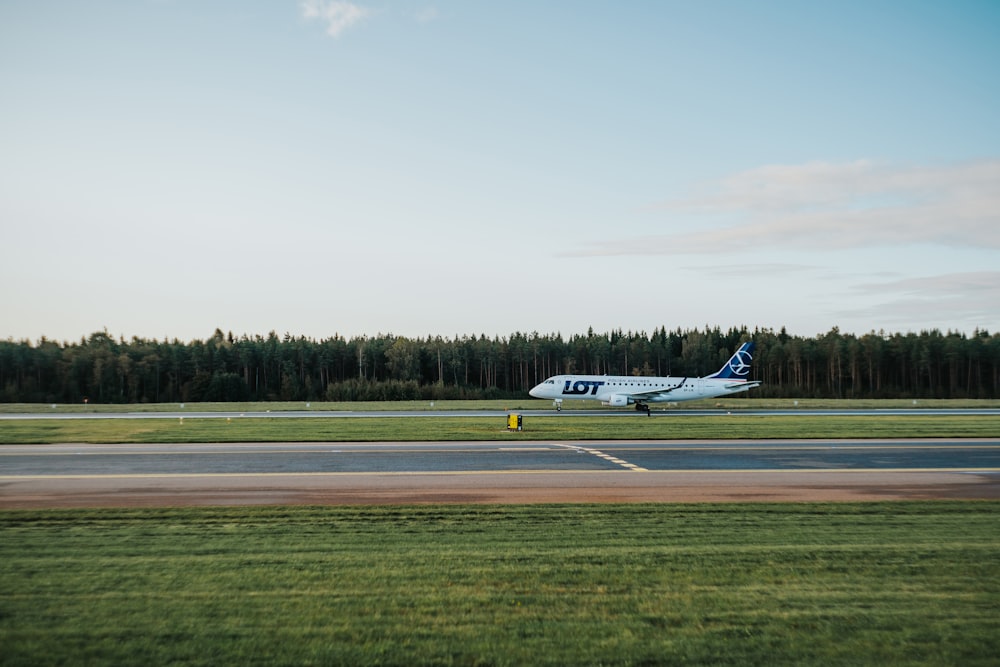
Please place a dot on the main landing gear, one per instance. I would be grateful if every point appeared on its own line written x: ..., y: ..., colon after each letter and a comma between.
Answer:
x: 642, y: 407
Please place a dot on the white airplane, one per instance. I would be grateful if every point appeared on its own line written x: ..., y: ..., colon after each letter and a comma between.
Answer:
x: 619, y: 391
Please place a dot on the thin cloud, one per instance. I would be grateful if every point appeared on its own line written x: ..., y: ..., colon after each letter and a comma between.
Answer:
x: 426, y: 15
x: 763, y: 270
x: 830, y: 206
x: 963, y: 300
x: 338, y: 15
x: 983, y: 285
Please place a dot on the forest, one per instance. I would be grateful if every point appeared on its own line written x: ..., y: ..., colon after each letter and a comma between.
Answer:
x: 102, y: 369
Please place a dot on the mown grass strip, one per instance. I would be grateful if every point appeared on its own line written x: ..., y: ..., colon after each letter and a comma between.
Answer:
x: 879, y: 583
x: 740, y: 402
x: 368, y: 429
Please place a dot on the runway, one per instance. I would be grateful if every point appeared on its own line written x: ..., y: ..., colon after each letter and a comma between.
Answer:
x: 492, y: 472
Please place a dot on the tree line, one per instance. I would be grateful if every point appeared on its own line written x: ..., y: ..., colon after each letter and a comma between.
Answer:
x: 102, y: 369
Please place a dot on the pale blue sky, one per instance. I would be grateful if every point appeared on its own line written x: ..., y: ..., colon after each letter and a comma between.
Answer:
x: 454, y: 167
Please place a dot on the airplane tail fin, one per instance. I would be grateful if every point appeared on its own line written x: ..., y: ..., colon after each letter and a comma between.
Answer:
x: 738, y: 366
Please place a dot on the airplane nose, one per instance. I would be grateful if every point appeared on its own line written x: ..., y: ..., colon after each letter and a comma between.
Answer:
x: 534, y: 391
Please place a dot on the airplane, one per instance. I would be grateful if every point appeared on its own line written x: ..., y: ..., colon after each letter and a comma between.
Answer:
x: 619, y: 391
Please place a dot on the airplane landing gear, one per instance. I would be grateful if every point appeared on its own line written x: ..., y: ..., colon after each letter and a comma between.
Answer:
x: 642, y: 407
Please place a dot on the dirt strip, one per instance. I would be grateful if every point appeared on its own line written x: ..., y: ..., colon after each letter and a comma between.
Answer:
x: 510, y: 487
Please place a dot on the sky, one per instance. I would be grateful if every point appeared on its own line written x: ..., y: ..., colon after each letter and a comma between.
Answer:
x: 458, y: 167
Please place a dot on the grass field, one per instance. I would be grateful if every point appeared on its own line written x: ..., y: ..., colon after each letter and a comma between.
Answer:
x: 525, y: 403
x: 551, y: 426
x: 841, y: 584
x: 564, y: 427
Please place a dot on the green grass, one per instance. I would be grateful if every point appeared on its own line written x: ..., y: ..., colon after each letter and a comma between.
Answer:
x: 367, y: 429
x: 552, y: 426
x: 524, y: 403
x: 760, y: 584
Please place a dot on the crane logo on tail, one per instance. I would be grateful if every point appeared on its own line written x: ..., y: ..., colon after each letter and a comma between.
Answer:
x: 740, y: 363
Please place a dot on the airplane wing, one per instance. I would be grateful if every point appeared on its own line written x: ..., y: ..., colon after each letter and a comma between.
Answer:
x: 655, y: 393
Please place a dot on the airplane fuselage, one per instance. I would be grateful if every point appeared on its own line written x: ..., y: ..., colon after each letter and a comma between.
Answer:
x: 625, y: 390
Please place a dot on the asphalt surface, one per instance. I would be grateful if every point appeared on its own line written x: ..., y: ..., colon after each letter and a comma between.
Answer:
x: 450, y: 457
x: 613, y: 471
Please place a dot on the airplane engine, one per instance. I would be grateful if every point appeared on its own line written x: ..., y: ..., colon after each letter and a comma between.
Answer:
x: 617, y: 401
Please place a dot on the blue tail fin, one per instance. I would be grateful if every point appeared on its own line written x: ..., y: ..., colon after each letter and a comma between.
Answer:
x: 738, y: 366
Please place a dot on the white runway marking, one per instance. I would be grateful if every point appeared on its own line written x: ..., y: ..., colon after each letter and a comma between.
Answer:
x: 612, y: 459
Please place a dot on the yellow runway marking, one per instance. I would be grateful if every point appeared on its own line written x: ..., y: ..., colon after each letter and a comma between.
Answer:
x: 956, y: 471
x: 774, y: 448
